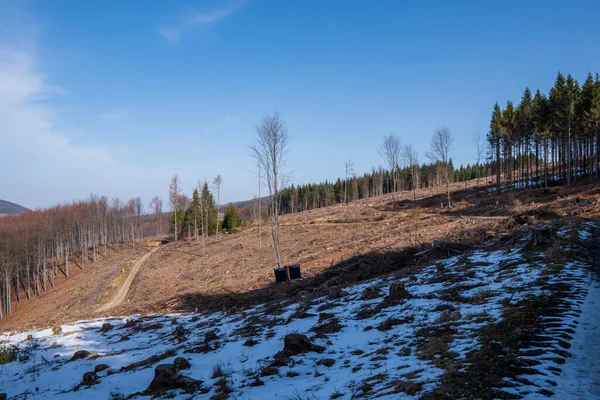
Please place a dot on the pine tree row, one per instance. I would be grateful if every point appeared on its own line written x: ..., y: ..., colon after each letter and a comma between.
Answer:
x: 547, y: 139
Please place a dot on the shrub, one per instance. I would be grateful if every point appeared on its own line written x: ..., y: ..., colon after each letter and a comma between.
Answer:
x: 218, y: 371
x: 8, y: 354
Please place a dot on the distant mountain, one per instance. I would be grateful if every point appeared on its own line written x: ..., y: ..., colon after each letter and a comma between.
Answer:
x: 6, y: 207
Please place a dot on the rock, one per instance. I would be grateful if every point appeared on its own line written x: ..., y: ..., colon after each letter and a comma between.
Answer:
x: 335, y: 292
x: 542, y: 236
x: 124, y: 338
x: 106, y: 327
x: 100, y: 367
x: 180, y: 333
x: 530, y: 219
x: 185, y: 382
x: 29, y: 337
x: 166, y: 378
x: 268, y: 371
x: 130, y: 322
x: 280, y: 360
x: 325, y: 316
x: 250, y: 342
x: 56, y: 356
x: 3, y: 396
x: 210, y: 336
x: 56, y: 330
x: 89, y: 378
x: 174, y: 321
x: 295, y: 343
x: 328, y: 362
x: 397, y: 292
x: 181, y: 364
x: 518, y: 331
x: 24, y: 358
x: 80, y: 354
x: 255, y: 382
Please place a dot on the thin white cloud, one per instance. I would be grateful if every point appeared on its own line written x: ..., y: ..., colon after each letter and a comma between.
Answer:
x: 40, y: 164
x: 28, y: 122
x: 198, y: 20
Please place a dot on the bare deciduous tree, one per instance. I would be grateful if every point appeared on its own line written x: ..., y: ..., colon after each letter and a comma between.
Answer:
x: 440, y: 151
x: 411, y: 156
x: 349, y: 169
x: 36, y: 245
x: 269, y: 151
x: 156, y: 205
x: 217, y: 184
x: 480, y: 147
x: 259, y: 214
x: 390, y: 151
x: 174, y: 189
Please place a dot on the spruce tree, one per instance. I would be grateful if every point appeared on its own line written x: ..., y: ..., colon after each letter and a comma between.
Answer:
x: 541, y: 126
x: 524, y: 129
x: 508, y: 133
x: 208, y: 210
x: 572, y: 94
x: 231, y: 218
x: 495, y: 140
x: 194, y: 211
x: 593, y: 118
x: 338, y: 191
x: 588, y: 116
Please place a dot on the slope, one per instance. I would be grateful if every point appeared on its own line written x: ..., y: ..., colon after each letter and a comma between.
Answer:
x: 6, y: 207
x: 487, y: 323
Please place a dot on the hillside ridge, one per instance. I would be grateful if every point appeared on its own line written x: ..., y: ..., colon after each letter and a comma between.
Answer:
x: 7, y: 207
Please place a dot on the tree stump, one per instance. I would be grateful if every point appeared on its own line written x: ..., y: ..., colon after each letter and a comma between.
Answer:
x: 89, y: 378
x: 166, y: 377
x: 100, y: 367
x: 80, y: 354
x: 397, y: 292
x: 181, y: 364
x: 295, y: 343
x: 542, y: 236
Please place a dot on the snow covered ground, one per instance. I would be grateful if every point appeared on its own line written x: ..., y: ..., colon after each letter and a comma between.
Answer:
x: 374, y: 345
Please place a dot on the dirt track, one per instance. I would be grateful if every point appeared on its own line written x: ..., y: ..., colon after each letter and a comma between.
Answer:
x: 124, y: 289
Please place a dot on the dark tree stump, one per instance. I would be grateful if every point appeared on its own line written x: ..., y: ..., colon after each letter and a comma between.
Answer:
x: 542, y: 236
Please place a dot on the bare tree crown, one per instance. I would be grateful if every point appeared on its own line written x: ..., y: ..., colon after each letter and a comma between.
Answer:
x: 390, y: 150
x: 272, y: 140
x: 442, y: 145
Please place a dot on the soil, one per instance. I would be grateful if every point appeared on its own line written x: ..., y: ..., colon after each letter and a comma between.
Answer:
x: 75, y: 297
x: 335, y: 245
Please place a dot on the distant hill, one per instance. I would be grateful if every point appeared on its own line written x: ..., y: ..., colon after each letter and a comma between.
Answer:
x: 244, y: 203
x: 6, y: 207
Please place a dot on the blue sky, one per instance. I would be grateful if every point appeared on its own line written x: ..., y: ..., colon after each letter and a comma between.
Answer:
x: 115, y: 97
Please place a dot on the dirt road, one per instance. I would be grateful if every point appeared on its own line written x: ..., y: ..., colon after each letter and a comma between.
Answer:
x: 123, y: 290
